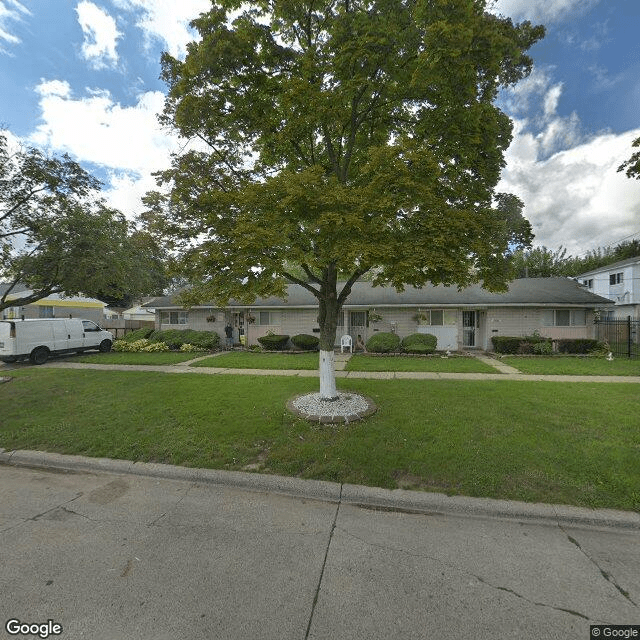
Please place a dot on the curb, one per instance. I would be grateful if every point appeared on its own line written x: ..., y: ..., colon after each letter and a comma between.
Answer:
x: 398, y: 500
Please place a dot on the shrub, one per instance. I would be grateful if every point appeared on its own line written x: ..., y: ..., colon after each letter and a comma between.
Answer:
x: 383, y: 342
x: 155, y: 346
x: 506, y: 344
x: 544, y: 348
x: 120, y: 345
x: 175, y: 338
x: 189, y: 348
x: 138, y: 334
x: 306, y: 342
x: 274, y: 342
x: 577, y: 345
x: 419, y: 343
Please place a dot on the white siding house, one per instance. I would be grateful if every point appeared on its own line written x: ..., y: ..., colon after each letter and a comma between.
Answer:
x: 618, y: 282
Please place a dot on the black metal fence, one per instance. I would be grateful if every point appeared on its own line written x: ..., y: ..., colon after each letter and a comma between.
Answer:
x: 622, y: 335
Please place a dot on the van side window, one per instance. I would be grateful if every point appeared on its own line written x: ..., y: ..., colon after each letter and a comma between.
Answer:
x: 87, y: 325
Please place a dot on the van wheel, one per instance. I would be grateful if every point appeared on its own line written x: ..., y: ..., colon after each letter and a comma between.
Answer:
x: 105, y: 346
x: 39, y: 355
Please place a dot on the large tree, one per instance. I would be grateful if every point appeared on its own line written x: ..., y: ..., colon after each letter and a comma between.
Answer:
x: 57, y: 235
x: 632, y: 165
x: 344, y: 137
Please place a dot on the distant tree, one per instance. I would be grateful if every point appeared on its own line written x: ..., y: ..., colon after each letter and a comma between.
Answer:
x: 343, y: 138
x: 57, y: 236
x: 541, y: 262
x: 632, y: 165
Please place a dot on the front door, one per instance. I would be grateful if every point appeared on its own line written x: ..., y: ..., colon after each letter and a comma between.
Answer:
x: 238, y: 328
x: 358, y: 325
x: 469, y: 324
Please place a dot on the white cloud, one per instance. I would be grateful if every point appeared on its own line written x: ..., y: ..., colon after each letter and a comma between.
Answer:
x: 167, y: 21
x: 542, y: 11
x: 10, y: 11
x: 126, y: 141
x: 100, y: 35
x: 576, y: 197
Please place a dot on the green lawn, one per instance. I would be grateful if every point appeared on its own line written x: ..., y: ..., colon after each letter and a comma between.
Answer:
x: 135, y: 358
x: 455, y: 364
x: 575, y: 443
x: 249, y: 360
x: 574, y: 366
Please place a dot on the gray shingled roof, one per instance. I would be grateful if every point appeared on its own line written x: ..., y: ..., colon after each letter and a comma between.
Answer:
x: 525, y: 291
x: 19, y: 288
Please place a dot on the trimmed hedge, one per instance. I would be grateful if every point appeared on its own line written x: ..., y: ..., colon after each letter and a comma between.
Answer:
x: 419, y: 343
x: 506, y: 344
x: 306, y: 342
x: 175, y: 338
x: 383, y: 342
x: 274, y: 343
x: 577, y: 345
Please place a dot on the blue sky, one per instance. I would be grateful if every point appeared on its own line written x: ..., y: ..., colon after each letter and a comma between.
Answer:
x: 81, y: 76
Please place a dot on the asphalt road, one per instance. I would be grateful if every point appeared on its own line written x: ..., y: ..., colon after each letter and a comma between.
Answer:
x: 130, y: 557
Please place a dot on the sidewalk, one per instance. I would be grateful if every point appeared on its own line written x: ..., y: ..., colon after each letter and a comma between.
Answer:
x: 340, y: 373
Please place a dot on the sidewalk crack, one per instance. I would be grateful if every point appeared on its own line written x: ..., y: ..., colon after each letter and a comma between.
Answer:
x: 324, y: 564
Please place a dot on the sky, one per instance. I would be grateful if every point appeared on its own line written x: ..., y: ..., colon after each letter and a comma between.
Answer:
x: 82, y: 77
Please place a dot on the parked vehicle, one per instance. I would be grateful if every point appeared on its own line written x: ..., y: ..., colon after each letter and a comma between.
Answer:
x: 38, y: 339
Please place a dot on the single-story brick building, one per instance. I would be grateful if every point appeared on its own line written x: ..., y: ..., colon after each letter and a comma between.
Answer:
x: 465, y: 319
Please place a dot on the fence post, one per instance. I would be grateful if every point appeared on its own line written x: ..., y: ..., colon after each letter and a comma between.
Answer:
x: 629, y: 337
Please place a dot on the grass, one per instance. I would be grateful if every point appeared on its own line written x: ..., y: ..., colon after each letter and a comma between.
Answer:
x: 418, y: 363
x: 136, y: 358
x: 574, y: 366
x: 249, y: 360
x: 575, y: 443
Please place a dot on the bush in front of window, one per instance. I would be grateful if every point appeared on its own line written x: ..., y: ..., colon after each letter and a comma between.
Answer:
x: 383, y: 343
x: 506, y: 344
x: 274, y: 342
x: 175, y: 338
x: 577, y: 345
x: 419, y: 343
x: 306, y: 342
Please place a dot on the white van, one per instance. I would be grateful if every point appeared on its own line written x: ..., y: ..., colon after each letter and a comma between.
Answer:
x: 37, y: 339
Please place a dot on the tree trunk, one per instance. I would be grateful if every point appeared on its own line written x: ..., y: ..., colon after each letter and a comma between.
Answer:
x: 328, y: 321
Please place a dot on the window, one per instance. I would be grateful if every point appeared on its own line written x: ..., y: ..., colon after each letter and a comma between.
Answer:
x: 437, y: 317
x: 615, y: 278
x: 358, y: 318
x: 174, y: 317
x: 564, y: 318
x: 588, y: 283
x: 266, y: 318
x: 341, y: 319
x: 46, y: 312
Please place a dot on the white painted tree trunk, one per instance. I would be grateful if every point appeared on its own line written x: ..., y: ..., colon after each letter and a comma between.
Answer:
x: 327, y: 376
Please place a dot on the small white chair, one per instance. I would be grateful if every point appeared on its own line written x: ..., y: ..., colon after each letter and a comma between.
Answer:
x: 346, y: 341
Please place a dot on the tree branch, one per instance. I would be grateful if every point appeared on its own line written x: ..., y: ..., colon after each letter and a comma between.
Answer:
x: 346, y: 290
x: 310, y: 274
x: 306, y: 285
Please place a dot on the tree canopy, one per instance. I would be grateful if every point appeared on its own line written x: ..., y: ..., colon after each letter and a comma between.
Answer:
x: 342, y: 137
x: 57, y: 236
x: 632, y: 165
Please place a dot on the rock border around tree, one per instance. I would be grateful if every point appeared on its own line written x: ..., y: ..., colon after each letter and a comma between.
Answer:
x: 350, y: 407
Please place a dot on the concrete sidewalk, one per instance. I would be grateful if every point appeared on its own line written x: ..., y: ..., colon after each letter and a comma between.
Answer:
x: 372, y: 375
x: 113, y: 550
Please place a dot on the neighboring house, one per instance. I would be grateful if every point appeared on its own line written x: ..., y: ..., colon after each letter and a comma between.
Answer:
x: 54, y: 306
x: 139, y: 313
x: 466, y: 319
x: 620, y: 283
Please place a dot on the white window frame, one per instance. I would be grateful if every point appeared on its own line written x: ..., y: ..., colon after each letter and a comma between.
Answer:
x: 572, y: 318
x: 273, y: 318
x: 616, y: 278
x: 181, y: 317
x: 448, y: 318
